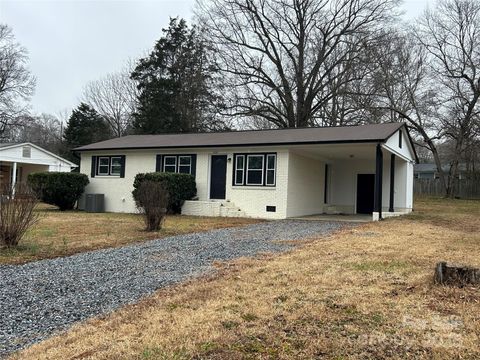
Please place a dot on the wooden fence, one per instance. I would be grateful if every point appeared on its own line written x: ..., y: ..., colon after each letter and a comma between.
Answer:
x: 464, y: 188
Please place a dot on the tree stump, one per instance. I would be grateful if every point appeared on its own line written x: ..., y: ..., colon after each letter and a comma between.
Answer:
x: 459, y: 275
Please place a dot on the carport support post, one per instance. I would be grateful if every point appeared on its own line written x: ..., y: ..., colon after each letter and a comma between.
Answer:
x: 392, y: 183
x: 378, y: 181
x: 14, y: 178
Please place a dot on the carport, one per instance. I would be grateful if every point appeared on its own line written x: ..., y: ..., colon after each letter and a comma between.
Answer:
x: 356, y: 181
x: 17, y: 160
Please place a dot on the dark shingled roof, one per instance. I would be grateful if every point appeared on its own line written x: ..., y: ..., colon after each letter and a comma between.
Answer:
x: 340, y: 134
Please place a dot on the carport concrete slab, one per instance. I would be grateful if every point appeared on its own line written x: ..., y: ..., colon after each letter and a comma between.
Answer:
x: 357, y: 218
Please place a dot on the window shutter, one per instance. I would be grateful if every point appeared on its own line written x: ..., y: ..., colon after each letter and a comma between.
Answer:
x: 122, y: 169
x: 194, y: 164
x: 94, y: 166
x: 158, y: 163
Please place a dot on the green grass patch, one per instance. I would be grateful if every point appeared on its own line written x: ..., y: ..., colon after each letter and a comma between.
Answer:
x: 229, y: 325
x: 24, y: 249
x: 248, y: 317
x: 382, y: 266
x: 150, y: 353
x: 209, y: 346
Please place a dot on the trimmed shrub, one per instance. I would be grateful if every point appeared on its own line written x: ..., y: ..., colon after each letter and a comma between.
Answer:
x: 58, y: 188
x: 152, y: 202
x: 17, y: 213
x: 180, y: 187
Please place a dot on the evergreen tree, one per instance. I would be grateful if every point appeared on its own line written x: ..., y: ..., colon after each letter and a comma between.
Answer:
x: 177, y: 84
x: 85, y: 126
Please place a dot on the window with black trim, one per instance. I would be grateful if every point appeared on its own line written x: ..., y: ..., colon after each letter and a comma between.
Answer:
x: 115, y: 165
x: 176, y: 163
x: 257, y: 169
x: 109, y: 165
x: 170, y: 164
x: 255, y: 164
x: 185, y: 164
x: 239, y: 169
x: 270, y: 170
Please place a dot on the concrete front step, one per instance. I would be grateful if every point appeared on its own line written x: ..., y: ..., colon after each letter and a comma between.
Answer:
x: 231, y: 211
x: 211, y: 208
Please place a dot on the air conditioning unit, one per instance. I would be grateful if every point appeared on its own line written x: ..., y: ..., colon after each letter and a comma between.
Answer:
x: 94, y: 203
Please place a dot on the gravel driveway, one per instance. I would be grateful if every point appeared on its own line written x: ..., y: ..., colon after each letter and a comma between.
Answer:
x: 40, y: 298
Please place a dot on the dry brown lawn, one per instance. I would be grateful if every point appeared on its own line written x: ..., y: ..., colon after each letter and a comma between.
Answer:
x: 65, y: 233
x: 365, y: 292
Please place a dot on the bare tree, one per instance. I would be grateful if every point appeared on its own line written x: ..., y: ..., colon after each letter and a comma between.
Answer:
x: 16, y: 82
x: 44, y: 130
x: 400, y: 88
x: 451, y: 36
x: 115, y: 98
x: 17, y: 213
x: 281, y: 57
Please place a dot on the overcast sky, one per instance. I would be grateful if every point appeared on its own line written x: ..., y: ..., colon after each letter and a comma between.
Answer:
x: 73, y: 42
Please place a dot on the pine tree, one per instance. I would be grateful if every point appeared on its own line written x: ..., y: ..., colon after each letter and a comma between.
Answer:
x: 177, y: 84
x: 85, y: 126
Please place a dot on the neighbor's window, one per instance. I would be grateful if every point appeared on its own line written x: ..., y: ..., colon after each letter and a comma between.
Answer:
x: 109, y: 165
x: 255, y: 169
x: 27, y: 152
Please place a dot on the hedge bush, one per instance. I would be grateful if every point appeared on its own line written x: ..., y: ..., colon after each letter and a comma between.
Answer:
x: 62, y: 189
x: 180, y: 187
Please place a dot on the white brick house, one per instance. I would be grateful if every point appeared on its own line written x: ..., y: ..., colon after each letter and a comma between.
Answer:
x: 272, y: 174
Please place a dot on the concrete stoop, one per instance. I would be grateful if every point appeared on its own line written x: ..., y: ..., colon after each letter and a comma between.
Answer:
x: 211, y: 208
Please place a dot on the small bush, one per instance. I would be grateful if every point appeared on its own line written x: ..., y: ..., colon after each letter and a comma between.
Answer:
x: 61, y: 189
x: 152, y: 201
x: 16, y: 213
x: 180, y: 187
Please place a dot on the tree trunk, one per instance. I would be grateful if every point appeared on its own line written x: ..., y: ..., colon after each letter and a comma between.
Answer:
x: 459, y: 275
x: 454, y: 169
x: 438, y: 164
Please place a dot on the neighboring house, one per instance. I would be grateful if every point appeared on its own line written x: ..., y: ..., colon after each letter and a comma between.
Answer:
x: 19, y: 160
x: 425, y: 171
x: 272, y: 174
x: 429, y: 171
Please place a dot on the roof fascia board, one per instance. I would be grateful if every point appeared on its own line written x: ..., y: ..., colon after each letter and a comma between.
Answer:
x: 11, y: 160
x: 234, y: 145
x: 393, y: 151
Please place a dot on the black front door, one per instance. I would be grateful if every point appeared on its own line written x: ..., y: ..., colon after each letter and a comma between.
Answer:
x: 218, y: 177
x: 365, y: 193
